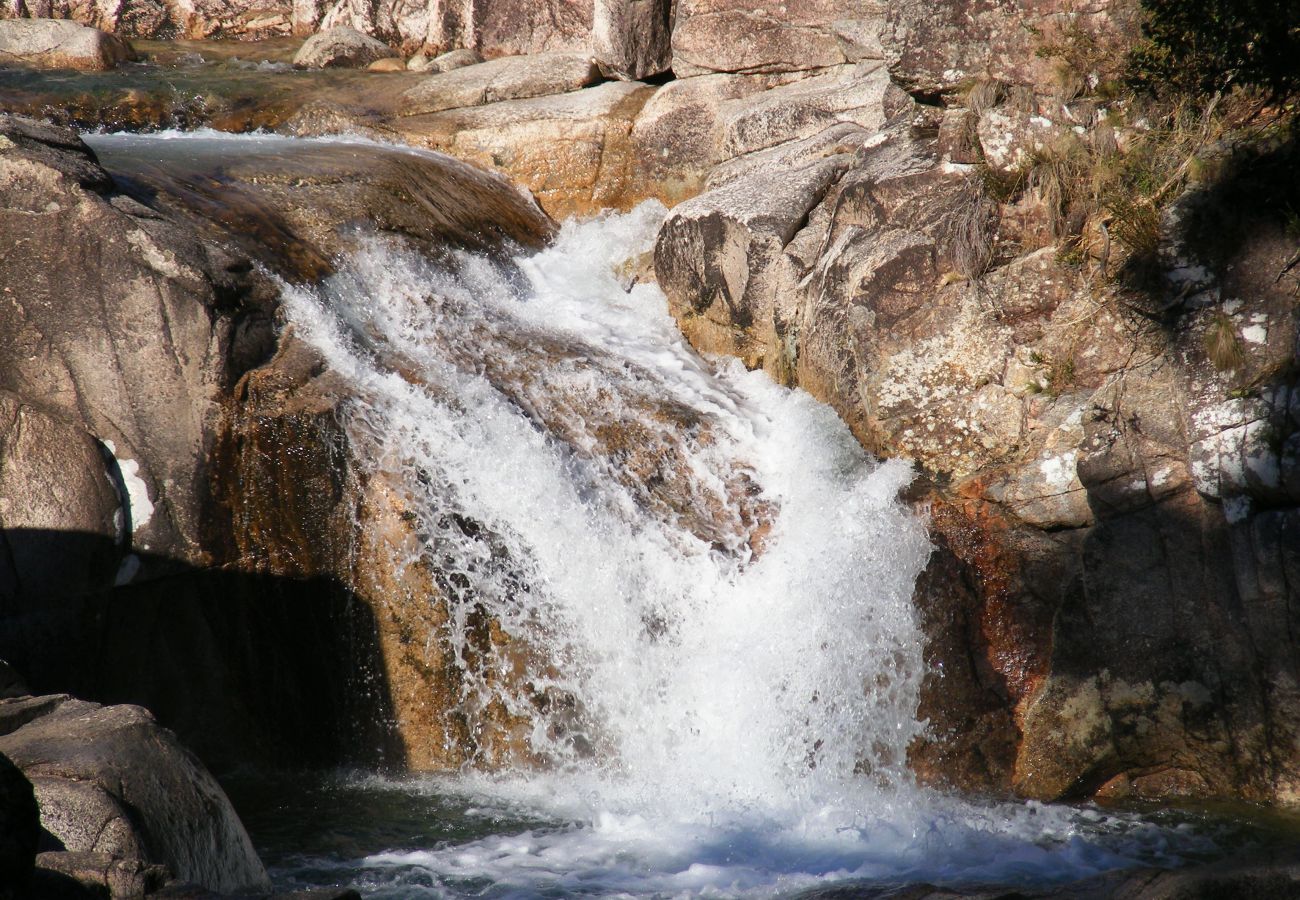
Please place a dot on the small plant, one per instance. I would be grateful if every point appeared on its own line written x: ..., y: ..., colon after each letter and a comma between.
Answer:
x: 1221, y: 343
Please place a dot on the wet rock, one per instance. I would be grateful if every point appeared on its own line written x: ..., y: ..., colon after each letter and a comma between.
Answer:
x: 341, y: 47
x: 734, y: 36
x: 20, y: 830
x: 103, y: 370
x: 113, y: 785
x: 509, y: 78
x: 59, y: 44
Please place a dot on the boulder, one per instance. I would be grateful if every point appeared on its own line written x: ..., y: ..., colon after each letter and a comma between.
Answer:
x: 509, y: 78
x: 632, y: 39
x: 772, y: 36
x: 20, y: 831
x: 114, y: 784
x: 59, y: 44
x: 453, y: 59
x: 341, y: 47
x: 128, y: 338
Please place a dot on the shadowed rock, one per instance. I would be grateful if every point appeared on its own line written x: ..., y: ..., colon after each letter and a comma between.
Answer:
x: 111, y: 782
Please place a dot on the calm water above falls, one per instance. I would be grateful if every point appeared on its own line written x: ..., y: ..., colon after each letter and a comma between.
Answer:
x: 710, y: 576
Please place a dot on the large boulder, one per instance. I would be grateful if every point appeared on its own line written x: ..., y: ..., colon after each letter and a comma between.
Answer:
x: 111, y: 781
x: 341, y: 47
x: 632, y: 39
x: 509, y: 78
x: 59, y: 44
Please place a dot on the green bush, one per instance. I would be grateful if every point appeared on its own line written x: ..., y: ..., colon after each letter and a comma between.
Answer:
x: 1205, y: 46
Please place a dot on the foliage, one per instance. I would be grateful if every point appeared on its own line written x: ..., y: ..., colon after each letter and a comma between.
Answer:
x: 1203, y: 47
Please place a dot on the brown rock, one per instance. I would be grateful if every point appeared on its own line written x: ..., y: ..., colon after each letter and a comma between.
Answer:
x: 388, y: 64
x: 454, y: 59
x: 572, y: 151
x: 240, y: 19
x: 20, y: 831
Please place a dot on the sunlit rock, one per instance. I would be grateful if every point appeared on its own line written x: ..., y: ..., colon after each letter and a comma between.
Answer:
x: 59, y: 44
x: 508, y: 78
x: 341, y: 47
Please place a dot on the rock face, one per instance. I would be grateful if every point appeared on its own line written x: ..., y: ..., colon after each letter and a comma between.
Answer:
x: 57, y: 44
x: 341, y: 47
x: 232, y: 632
x: 1082, y: 464
x: 111, y: 782
x: 769, y: 36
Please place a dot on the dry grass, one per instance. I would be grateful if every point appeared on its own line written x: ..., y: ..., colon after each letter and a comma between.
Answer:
x: 973, y: 240
x: 1221, y: 343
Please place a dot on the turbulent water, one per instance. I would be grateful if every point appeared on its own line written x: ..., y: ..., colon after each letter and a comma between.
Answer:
x: 710, y: 581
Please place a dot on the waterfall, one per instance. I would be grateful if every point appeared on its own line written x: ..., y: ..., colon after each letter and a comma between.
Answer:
x: 707, y: 580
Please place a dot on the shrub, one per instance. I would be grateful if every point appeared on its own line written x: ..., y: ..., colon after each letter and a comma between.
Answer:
x: 1202, y: 47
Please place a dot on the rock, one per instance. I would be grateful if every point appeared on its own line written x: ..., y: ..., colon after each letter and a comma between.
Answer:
x: 388, y: 64
x: 55, y: 477
x: 58, y: 44
x: 510, y: 78
x: 114, y: 785
x: 572, y: 151
x: 1010, y: 138
x: 226, y: 19
x: 20, y: 831
x: 771, y: 36
x: 119, y: 877
x: 678, y: 133
x: 632, y: 39
x: 341, y: 47
x: 520, y: 27
x: 934, y: 47
x: 862, y: 95
x: 143, y: 403
x: 454, y: 59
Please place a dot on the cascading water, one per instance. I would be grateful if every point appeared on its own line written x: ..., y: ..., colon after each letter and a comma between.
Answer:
x: 710, y: 580
x: 676, y: 596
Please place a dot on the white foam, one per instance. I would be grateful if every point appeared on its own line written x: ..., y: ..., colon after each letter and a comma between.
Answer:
x: 750, y: 713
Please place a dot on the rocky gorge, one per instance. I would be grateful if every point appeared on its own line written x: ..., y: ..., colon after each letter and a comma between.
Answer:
x: 865, y: 201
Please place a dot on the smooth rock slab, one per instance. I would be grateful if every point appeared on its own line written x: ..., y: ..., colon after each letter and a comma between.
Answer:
x: 59, y: 44
x: 341, y: 47
x: 509, y: 78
